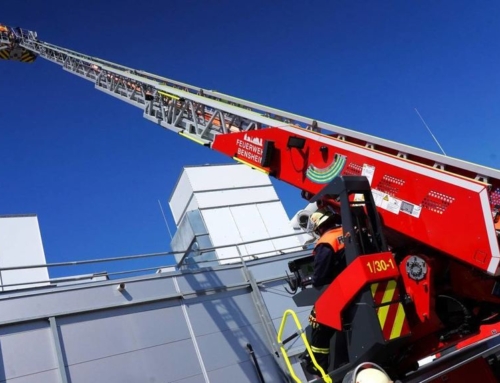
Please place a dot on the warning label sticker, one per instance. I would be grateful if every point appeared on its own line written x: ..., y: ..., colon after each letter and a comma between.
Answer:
x: 394, y: 205
x: 359, y: 197
x: 368, y: 171
x: 386, y: 202
x: 411, y: 209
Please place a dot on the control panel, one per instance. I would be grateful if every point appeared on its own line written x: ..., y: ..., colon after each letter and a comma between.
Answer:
x: 302, y: 269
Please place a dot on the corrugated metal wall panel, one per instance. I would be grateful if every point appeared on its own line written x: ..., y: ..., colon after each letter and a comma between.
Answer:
x: 152, y: 341
x: 223, y: 312
x: 75, y: 299
x: 27, y: 352
x: 51, y: 376
x: 226, y: 348
x: 126, y: 330
x: 246, y: 373
x: 192, y: 379
x: 165, y: 363
x: 208, y: 280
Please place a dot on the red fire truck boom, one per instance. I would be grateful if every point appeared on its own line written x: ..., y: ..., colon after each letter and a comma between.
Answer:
x: 434, y: 274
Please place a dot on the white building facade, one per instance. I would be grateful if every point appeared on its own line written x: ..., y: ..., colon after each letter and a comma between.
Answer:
x: 21, y: 245
x: 232, y: 210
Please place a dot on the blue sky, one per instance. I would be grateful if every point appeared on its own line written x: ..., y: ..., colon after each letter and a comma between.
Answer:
x: 93, y: 169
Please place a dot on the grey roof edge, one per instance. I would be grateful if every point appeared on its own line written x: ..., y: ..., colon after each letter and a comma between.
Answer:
x: 48, y: 289
x: 18, y: 215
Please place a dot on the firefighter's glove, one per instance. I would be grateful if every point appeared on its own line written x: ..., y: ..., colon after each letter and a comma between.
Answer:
x: 312, y: 321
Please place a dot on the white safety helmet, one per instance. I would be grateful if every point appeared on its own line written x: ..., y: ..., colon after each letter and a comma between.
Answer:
x: 367, y: 373
x: 372, y: 375
x: 319, y: 217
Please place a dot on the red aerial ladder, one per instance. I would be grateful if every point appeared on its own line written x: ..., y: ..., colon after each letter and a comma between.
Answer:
x: 429, y: 286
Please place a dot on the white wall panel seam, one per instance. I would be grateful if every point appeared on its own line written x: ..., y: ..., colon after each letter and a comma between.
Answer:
x: 236, y: 205
x: 191, y: 333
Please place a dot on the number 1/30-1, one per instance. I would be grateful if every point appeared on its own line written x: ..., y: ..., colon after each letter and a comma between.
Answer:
x: 380, y: 266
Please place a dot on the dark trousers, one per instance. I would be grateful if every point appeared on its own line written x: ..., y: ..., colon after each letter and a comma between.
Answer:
x: 321, y: 337
x: 320, y: 340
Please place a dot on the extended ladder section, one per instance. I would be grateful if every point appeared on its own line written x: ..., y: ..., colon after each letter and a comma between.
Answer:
x: 422, y: 196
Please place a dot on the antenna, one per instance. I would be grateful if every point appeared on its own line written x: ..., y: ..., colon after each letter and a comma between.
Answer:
x: 165, y: 219
x: 435, y: 139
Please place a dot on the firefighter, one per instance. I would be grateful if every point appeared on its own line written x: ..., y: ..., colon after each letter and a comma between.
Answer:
x: 329, y: 261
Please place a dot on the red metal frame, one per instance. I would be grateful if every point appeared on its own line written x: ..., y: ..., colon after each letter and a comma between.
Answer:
x: 363, y: 270
x: 420, y: 206
x: 417, y: 203
x: 419, y: 291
